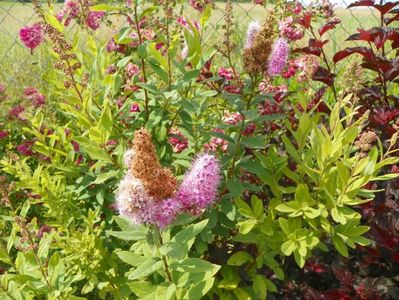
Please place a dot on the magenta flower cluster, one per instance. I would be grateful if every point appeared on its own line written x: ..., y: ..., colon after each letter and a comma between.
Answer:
x: 94, y: 19
x: 278, y: 57
x: 73, y: 10
x: 132, y: 70
x: 289, y: 31
x: 31, y: 36
x: 69, y: 12
x: 227, y: 74
x: 25, y: 148
x: 34, y: 96
x: 217, y: 143
x: 3, y: 134
x: 177, y: 140
x: 198, y: 190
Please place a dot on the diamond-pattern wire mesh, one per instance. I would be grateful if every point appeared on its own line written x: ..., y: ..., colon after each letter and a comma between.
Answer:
x: 21, y: 67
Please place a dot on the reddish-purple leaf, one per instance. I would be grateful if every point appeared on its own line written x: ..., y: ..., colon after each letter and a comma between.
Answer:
x: 321, y: 105
x: 376, y: 35
x: 379, y: 64
x: 323, y: 75
x: 384, y: 8
x: 362, y: 3
x: 343, y: 275
x: 314, y: 47
x: 392, y: 19
x: 384, y: 237
x: 393, y: 72
x: 365, y: 52
x: 306, y: 20
x: 308, y: 50
x: 328, y: 26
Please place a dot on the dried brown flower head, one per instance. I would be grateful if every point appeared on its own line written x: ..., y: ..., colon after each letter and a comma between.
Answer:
x: 159, y: 182
x: 255, y: 57
x: 366, y: 141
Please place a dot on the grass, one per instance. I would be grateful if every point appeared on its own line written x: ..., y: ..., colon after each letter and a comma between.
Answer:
x: 20, y: 68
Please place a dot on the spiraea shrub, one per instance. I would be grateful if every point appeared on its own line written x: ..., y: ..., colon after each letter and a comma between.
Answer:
x: 162, y: 163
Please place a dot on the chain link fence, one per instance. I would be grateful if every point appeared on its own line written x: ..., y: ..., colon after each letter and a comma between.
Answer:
x: 19, y: 67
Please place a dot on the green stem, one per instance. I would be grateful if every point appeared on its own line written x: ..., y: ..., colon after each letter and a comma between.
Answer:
x: 165, y: 262
x: 146, y: 99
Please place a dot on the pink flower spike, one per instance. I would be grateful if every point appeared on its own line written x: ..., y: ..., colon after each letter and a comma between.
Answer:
x: 253, y: 29
x: 32, y: 36
x: 278, y: 57
x: 165, y: 212
x: 199, y: 187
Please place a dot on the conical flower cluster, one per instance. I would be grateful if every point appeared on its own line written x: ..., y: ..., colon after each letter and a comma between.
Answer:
x: 259, y: 45
x: 148, y: 192
x: 199, y: 187
x: 278, y: 57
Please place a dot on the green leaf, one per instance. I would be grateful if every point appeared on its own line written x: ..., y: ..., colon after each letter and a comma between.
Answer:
x: 340, y: 245
x: 56, y: 270
x: 165, y: 291
x: 93, y: 149
x: 102, y: 7
x: 44, y: 245
x: 105, y: 176
x: 244, y: 209
x: 239, y: 258
x: 259, y: 286
x: 160, y: 72
x: 241, y: 294
x: 311, y: 213
x: 50, y: 19
x: 302, y: 194
x: 283, y: 207
x: 161, y: 60
x: 190, y: 75
x: 337, y: 216
x: 142, y: 288
x: 195, y: 265
x: 257, y: 206
x: 131, y: 258
x: 199, y: 290
x: 254, y: 142
x: 235, y: 187
x: 3, y: 255
x: 287, y: 248
x: 189, y: 232
x: 246, y: 226
x: 145, y: 269
x: 173, y: 250
x: 299, y: 259
x: 127, y: 235
x: 126, y: 224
